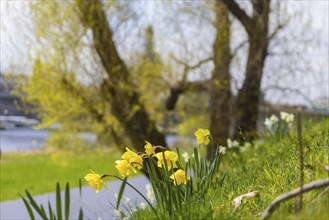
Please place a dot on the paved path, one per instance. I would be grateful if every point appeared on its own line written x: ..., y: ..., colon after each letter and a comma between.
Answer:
x: 95, y: 206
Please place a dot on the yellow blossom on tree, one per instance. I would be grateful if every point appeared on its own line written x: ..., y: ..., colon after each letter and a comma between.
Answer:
x: 202, y: 136
x: 124, y: 168
x: 171, y: 158
x: 95, y: 181
x: 133, y: 159
x: 149, y: 149
x: 179, y: 177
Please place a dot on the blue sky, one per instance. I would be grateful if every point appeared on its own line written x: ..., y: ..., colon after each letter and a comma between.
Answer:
x: 15, y: 50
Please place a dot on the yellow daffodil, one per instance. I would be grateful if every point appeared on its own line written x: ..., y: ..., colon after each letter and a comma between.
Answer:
x: 170, y: 157
x: 95, y: 181
x: 149, y: 149
x: 124, y: 168
x: 133, y: 159
x: 179, y: 177
x: 202, y: 136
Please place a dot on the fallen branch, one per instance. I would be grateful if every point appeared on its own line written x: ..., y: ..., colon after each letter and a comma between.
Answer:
x: 312, y: 185
x: 238, y: 200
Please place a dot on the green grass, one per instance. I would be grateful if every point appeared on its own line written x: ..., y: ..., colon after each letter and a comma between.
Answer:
x: 270, y: 167
x: 273, y: 169
x: 39, y: 172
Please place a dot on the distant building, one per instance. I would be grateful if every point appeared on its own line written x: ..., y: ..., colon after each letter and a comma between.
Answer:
x: 10, y: 104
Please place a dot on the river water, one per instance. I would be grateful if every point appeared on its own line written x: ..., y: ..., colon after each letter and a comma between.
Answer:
x: 24, y: 138
x: 20, y: 139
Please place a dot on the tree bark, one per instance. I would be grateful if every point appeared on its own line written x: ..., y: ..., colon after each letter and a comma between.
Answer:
x: 220, y: 87
x: 248, y: 96
x: 118, y: 89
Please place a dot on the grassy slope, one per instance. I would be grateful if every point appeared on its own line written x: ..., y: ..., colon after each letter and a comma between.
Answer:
x: 271, y: 168
x: 40, y: 172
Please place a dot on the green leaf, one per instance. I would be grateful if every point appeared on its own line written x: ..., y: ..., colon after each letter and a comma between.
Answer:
x: 205, y: 167
x: 80, y: 191
x: 80, y: 187
x: 67, y: 201
x: 80, y: 214
x: 196, y: 156
x: 35, y: 206
x: 43, y: 210
x: 154, y: 183
x: 178, y: 153
x: 28, y: 207
x: 58, y: 202
x: 51, y: 215
x: 196, y: 161
x: 136, y: 190
x: 122, y: 188
x: 223, y: 178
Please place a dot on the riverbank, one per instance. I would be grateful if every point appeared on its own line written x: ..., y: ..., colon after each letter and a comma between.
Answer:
x: 38, y: 171
x: 26, y: 164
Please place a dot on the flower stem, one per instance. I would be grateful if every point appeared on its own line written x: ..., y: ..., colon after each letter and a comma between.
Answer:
x: 106, y: 175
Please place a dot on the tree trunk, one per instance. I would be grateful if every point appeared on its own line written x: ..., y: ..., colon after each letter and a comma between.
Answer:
x: 118, y: 89
x: 249, y: 94
x: 220, y: 91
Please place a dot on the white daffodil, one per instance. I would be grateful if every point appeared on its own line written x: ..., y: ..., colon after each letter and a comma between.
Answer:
x: 269, y: 122
x: 246, y: 146
x: 288, y: 118
x: 127, y: 200
x: 232, y: 144
x: 186, y: 156
x: 222, y: 150
x: 149, y: 192
x: 142, y: 205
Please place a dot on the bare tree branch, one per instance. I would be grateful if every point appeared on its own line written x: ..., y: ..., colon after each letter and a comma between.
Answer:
x: 176, y: 91
x: 191, y: 67
x: 183, y: 85
x: 235, y: 51
x: 106, y: 49
x: 285, y: 89
x: 278, y: 28
x: 240, y: 14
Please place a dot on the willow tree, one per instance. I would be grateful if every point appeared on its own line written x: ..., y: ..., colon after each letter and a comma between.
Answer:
x: 120, y: 99
x: 121, y: 92
x: 90, y: 84
x: 79, y: 78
